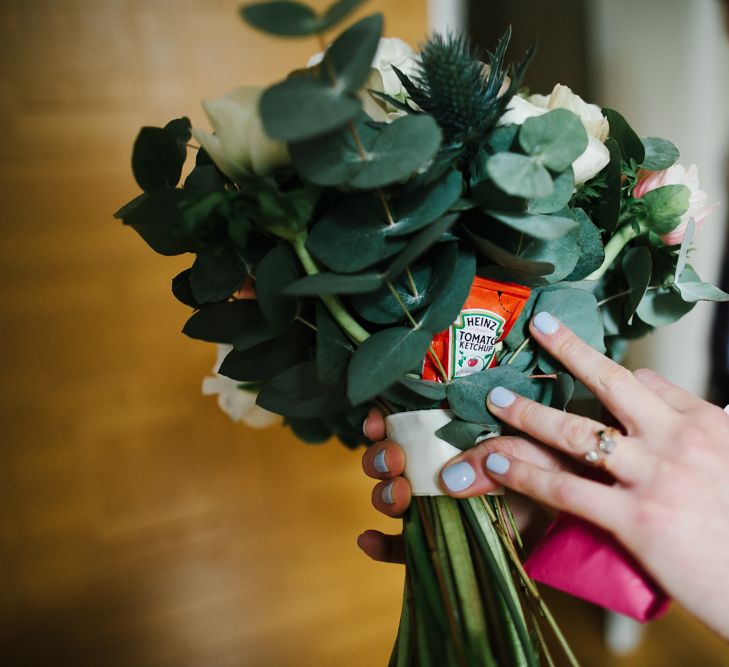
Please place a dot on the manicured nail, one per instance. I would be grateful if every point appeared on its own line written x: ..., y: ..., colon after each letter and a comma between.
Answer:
x: 497, y: 464
x: 459, y: 476
x: 379, y: 461
x: 387, y: 496
x: 501, y: 397
x: 545, y: 323
x: 364, y: 427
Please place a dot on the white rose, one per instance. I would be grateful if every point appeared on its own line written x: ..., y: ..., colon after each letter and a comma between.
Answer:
x: 382, y: 78
x: 595, y: 157
x: 240, y: 145
x: 238, y: 404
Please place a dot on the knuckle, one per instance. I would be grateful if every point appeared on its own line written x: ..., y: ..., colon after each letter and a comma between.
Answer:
x: 562, y: 492
x: 643, y: 374
x: 526, y: 411
x: 611, y: 378
x: 578, y: 433
x: 565, y: 344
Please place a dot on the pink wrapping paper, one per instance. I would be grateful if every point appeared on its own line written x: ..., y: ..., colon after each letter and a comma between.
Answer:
x: 583, y: 560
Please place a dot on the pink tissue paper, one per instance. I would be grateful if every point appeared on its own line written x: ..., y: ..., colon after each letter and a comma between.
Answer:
x: 583, y: 560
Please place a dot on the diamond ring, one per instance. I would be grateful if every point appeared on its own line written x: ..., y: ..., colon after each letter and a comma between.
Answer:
x: 605, y: 446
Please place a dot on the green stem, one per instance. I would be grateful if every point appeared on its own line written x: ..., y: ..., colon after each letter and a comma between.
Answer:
x: 333, y: 304
x: 619, y: 240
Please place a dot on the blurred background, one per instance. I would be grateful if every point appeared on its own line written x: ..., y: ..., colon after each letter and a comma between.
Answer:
x: 139, y: 526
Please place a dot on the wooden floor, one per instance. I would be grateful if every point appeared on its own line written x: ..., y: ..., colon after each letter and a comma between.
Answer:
x: 139, y: 528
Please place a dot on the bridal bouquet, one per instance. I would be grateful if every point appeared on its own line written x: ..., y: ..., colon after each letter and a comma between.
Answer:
x: 377, y: 229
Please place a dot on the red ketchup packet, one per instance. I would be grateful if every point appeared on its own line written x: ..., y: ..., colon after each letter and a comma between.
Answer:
x: 469, y: 345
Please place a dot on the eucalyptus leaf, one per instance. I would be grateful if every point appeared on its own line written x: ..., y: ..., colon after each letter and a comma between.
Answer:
x: 333, y: 283
x: 557, y: 138
x: 591, y: 248
x: 281, y: 17
x: 450, y: 291
x: 391, y: 153
x: 217, y: 273
x: 659, y: 153
x: 179, y: 128
x: 698, y: 291
x: 182, y: 290
x: 607, y: 213
x: 637, y: 266
x: 520, y: 175
x: 348, y: 60
x: 538, y: 225
x: 276, y: 271
x: 564, y: 185
x: 261, y: 362
x: 303, y: 107
x: 508, y: 260
x: 311, y: 431
x: 462, y: 435
x: 383, y: 358
x: 564, y: 388
x: 662, y: 306
x: 154, y: 217
x: 631, y: 147
x: 420, y: 243
x: 435, y: 391
x: 418, y: 208
x: 333, y: 348
x: 156, y: 159
x: 297, y: 392
x: 222, y: 322
x: 665, y: 206
x: 467, y: 394
x: 353, y: 235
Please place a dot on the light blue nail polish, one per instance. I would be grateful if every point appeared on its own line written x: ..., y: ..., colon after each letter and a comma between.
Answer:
x: 459, y: 476
x: 364, y: 427
x: 497, y: 464
x: 379, y: 462
x: 501, y: 397
x: 387, y: 496
x: 545, y: 323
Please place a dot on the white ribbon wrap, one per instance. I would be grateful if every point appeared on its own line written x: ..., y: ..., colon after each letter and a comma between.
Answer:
x: 425, y: 452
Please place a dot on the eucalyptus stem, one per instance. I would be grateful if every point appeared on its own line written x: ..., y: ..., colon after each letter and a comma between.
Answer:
x: 519, y: 350
x: 349, y: 325
x: 619, y: 240
x: 531, y: 587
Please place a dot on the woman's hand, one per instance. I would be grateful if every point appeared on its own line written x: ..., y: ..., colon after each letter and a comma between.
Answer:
x: 669, y: 504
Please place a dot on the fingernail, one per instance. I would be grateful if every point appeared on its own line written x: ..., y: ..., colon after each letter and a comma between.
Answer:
x: 497, y: 464
x: 501, y: 397
x: 364, y: 427
x: 379, y: 461
x: 459, y: 476
x: 387, y: 496
x: 545, y: 323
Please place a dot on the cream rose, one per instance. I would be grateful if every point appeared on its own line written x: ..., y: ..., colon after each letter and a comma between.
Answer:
x: 677, y: 175
x: 595, y: 157
x: 238, y: 404
x: 239, y: 145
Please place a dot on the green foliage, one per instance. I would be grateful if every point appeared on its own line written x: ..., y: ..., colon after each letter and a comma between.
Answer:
x: 322, y: 100
x: 665, y: 206
x: 383, y: 358
x: 631, y: 147
x: 556, y: 139
x: 370, y: 156
x: 157, y: 158
x: 659, y: 154
x: 284, y: 18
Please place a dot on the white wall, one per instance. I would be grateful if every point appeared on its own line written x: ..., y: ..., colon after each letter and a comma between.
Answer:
x: 665, y: 65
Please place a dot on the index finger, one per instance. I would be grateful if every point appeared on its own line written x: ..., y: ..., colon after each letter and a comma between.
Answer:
x: 617, y: 388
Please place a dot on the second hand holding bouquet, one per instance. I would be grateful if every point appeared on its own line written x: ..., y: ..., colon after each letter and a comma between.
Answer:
x: 399, y: 217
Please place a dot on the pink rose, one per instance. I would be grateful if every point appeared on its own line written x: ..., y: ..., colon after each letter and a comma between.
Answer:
x: 677, y: 175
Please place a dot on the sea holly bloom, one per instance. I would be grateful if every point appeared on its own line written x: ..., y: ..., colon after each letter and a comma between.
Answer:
x: 239, y: 146
x: 238, y: 403
x: 677, y: 175
x: 595, y: 157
